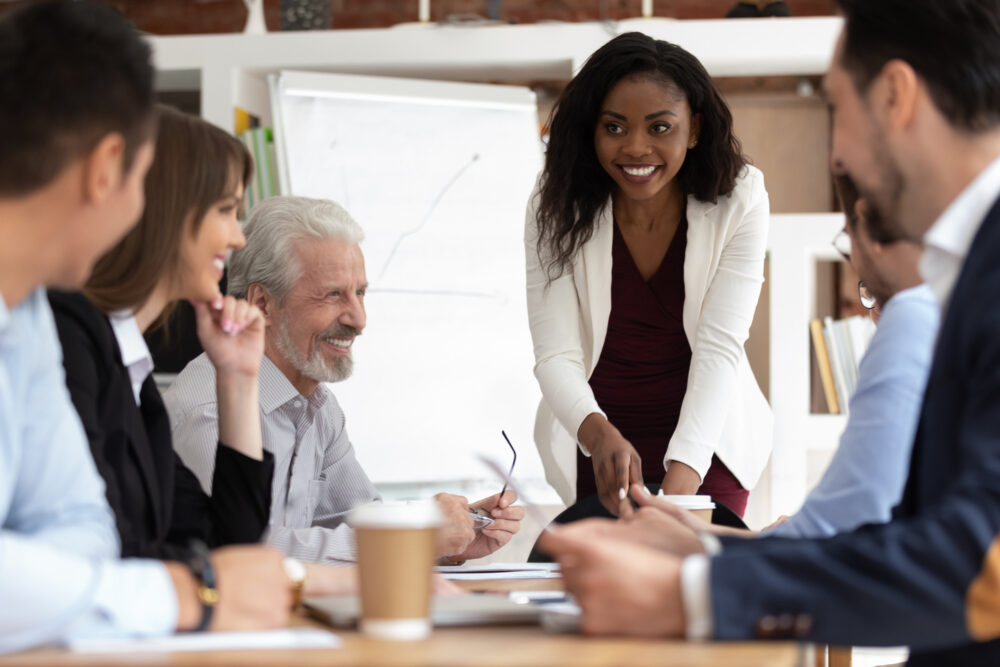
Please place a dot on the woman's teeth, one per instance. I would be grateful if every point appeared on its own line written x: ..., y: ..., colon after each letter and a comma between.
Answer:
x: 639, y: 171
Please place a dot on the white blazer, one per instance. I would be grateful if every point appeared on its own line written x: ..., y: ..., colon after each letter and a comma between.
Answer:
x: 724, y: 411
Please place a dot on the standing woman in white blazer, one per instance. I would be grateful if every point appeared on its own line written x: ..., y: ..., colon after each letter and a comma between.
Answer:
x: 645, y: 241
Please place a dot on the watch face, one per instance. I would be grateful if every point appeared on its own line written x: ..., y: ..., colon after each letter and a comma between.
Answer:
x: 295, y: 570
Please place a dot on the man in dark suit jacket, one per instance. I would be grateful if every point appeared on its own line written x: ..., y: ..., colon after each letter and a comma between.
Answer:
x: 914, y: 89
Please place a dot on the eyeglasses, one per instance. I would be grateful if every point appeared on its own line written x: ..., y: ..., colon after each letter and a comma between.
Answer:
x: 511, y: 472
x: 866, y: 298
x: 481, y: 517
x: 842, y: 244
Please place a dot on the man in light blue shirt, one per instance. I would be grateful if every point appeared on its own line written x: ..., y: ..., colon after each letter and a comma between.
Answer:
x: 60, y: 576
x: 865, y: 478
x: 76, y: 83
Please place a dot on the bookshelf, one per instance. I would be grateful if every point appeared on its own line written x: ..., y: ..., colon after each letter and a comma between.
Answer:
x: 226, y: 71
x: 795, y: 244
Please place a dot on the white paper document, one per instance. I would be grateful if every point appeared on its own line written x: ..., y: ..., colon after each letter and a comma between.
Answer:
x: 290, y: 638
x: 500, y: 571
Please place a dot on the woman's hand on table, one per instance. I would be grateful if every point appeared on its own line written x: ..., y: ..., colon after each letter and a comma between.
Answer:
x: 617, y: 464
x: 680, y: 480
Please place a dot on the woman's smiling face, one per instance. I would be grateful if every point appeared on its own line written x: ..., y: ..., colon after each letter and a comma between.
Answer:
x: 643, y: 133
x: 203, y: 253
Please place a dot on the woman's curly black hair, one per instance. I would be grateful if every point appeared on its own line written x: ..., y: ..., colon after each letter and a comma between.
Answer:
x: 574, y: 186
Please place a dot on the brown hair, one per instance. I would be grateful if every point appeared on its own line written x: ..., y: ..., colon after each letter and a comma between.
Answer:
x: 196, y: 165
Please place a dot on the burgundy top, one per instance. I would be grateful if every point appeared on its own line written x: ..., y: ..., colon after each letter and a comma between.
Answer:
x: 641, y: 376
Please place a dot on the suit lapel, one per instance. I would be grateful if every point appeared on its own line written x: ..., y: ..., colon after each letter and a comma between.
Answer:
x: 940, y: 414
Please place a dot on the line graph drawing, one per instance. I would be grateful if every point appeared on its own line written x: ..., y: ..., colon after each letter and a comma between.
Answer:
x: 440, y: 187
x: 430, y: 212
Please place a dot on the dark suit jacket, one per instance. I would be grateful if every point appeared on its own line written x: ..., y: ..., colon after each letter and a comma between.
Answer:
x: 158, y: 503
x: 930, y: 578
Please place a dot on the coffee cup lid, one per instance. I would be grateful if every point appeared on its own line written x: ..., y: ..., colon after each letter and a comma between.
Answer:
x: 416, y: 514
x: 689, y: 502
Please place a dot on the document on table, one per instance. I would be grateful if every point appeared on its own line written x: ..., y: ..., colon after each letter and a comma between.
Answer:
x: 500, y: 571
x: 290, y: 638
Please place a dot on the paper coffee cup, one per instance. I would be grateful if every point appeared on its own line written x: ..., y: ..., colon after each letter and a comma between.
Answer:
x: 700, y: 506
x: 396, y: 543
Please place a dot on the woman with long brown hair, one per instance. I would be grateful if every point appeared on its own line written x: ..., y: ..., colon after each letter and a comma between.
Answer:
x: 177, y: 251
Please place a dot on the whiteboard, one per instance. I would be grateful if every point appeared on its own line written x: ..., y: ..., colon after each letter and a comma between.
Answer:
x: 438, y: 175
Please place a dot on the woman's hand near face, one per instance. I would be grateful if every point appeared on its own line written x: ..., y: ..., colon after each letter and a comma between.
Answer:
x: 232, y: 333
x: 617, y: 464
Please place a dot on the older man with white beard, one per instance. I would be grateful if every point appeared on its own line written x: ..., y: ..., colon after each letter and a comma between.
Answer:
x: 303, y: 267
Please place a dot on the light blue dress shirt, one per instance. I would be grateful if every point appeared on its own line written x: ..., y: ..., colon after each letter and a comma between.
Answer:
x: 865, y: 478
x: 60, y: 576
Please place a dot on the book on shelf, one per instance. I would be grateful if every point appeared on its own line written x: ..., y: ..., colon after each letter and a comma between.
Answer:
x: 260, y: 142
x: 839, y: 346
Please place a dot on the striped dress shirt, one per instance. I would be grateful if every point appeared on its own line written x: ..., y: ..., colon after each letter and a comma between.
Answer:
x: 317, y: 478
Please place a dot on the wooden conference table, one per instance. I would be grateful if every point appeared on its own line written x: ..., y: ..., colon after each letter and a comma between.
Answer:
x: 475, y: 647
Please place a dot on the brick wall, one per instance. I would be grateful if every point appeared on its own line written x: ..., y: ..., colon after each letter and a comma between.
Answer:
x: 168, y: 17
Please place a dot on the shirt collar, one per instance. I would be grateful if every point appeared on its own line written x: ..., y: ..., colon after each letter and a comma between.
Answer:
x: 131, y: 344
x: 948, y: 240
x: 276, y: 390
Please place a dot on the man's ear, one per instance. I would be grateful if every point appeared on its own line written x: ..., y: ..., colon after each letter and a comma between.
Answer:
x: 102, y: 168
x: 895, y: 94
x: 258, y: 296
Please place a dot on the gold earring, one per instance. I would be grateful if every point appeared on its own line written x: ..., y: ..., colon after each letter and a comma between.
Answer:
x: 694, y: 142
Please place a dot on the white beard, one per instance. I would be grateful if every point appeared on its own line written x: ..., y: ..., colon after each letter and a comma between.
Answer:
x: 315, y: 367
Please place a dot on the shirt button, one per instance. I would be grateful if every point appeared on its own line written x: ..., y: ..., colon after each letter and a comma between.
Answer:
x: 297, y: 403
x: 766, y: 627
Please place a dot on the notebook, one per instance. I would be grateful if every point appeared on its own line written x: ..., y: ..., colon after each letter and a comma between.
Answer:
x: 342, y: 611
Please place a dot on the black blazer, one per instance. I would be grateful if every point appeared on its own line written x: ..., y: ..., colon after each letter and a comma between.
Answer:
x: 158, y: 503
x: 929, y: 578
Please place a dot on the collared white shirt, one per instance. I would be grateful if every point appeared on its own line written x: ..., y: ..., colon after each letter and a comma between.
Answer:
x: 133, y: 348
x: 948, y: 240
x: 317, y: 478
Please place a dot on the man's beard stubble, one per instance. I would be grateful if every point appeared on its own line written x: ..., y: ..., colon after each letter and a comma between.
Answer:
x: 315, y: 366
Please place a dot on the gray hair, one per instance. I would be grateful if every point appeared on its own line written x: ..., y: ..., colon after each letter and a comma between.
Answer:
x: 272, y: 229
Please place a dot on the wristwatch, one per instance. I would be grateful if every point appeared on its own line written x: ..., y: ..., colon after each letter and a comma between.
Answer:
x: 296, y: 572
x: 208, y: 596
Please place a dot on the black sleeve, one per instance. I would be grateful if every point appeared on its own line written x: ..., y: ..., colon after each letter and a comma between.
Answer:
x: 238, y: 510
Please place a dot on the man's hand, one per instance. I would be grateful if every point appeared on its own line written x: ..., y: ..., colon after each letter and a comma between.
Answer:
x: 647, y: 527
x: 616, y: 462
x: 506, y: 522
x: 457, y: 528
x: 660, y: 531
x: 645, y: 499
x: 254, y: 591
x: 330, y: 580
x: 623, y: 588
